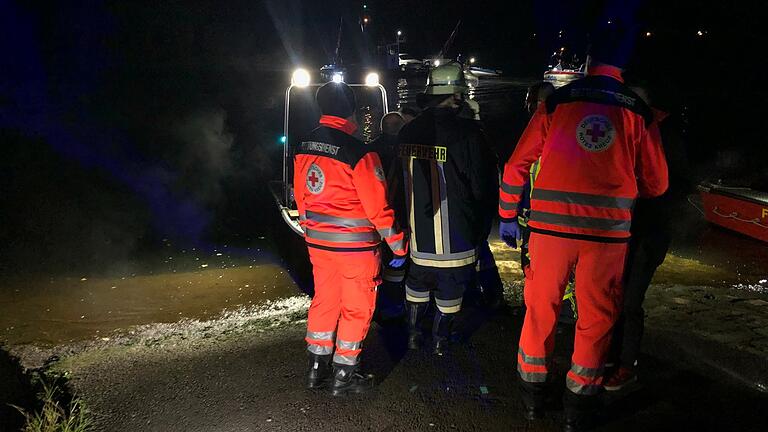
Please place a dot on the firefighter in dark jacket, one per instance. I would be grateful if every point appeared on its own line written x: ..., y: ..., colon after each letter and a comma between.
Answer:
x: 340, y: 193
x: 450, y: 178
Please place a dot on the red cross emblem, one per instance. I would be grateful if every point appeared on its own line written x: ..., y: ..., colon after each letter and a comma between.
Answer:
x: 315, y: 179
x: 595, y: 133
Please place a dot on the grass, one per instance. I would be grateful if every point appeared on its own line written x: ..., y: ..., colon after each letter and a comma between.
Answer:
x: 56, y: 416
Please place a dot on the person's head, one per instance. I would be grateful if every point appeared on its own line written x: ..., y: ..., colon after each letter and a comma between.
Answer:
x: 446, y: 86
x: 336, y: 99
x: 611, y: 44
x: 391, y: 123
x: 537, y: 93
x: 408, y: 113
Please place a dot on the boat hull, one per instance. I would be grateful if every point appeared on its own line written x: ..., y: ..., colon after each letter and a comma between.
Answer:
x: 560, y: 78
x: 739, y: 209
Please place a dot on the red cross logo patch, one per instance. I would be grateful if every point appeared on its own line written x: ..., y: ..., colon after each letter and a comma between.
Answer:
x: 315, y: 179
x: 595, y: 133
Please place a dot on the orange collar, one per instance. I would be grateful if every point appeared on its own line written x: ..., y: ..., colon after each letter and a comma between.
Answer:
x: 606, y: 70
x: 339, y: 123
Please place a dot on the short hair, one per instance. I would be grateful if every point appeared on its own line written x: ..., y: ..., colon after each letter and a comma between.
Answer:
x: 545, y: 89
x: 388, y: 125
x: 336, y: 99
x: 409, y: 111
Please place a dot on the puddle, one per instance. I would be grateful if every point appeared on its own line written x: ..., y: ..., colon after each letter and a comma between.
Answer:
x: 47, y: 311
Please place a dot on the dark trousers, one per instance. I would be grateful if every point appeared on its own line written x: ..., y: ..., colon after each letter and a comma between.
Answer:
x: 647, y: 251
x: 390, y: 299
x: 488, y: 278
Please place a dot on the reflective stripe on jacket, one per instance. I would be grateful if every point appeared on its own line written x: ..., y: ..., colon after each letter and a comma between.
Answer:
x: 340, y: 192
x: 600, y: 149
x: 451, y: 181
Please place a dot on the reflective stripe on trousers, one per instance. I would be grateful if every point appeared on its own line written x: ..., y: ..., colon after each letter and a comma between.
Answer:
x: 320, y: 343
x: 448, y: 306
x: 414, y: 296
x: 583, y: 380
x: 531, y: 369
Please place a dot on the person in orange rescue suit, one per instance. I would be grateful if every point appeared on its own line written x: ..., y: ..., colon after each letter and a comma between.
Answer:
x: 599, y: 151
x: 340, y: 192
x: 451, y: 192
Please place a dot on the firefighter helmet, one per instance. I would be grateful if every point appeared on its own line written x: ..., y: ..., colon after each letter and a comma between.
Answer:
x: 446, y: 79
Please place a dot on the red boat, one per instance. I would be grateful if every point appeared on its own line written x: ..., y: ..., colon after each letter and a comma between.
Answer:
x: 739, y: 209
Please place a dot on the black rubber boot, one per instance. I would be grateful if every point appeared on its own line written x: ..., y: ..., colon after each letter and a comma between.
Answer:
x: 414, y: 311
x: 348, y: 379
x: 580, y: 411
x: 441, y: 331
x: 319, y: 371
x: 534, y: 397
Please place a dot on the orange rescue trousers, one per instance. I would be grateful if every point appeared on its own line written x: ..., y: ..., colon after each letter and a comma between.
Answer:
x: 599, y: 270
x: 345, y: 297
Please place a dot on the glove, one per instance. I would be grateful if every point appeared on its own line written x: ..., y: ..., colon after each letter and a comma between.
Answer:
x: 510, y: 233
x: 397, y: 262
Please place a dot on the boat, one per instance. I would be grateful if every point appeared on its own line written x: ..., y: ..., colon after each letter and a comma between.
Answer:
x: 335, y: 71
x: 561, y: 77
x: 301, y: 116
x: 739, y: 209
x: 564, y: 68
x: 485, y: 72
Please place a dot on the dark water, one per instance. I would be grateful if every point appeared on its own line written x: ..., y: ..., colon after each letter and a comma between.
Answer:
x: 251, y: 257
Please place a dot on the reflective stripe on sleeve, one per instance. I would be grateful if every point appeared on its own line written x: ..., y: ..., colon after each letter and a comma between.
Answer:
x: 343, y: 237
x: 512, y: 190
x: 583, y: 199
x: 387, y: 232
x: 338, y: 221
x: 580, y: 221
x: 507, y: 206
x: 396, y: 245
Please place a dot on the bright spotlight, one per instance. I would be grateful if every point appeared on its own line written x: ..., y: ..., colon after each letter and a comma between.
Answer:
x: 399, y: 33
x: 700, y: 33
x: 283, y: 139
x: 337, y: 78
x: 472, y: 60
x: 372, y: 79
x: 437, y: 62
x: 300, y: 78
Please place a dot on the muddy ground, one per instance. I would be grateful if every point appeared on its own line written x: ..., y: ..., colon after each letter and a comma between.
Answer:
x: 705, y: 367
x: 253, y: 380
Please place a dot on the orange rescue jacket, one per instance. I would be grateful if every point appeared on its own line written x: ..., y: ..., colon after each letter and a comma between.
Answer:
x: 341, y: 192
x: 600, y: 149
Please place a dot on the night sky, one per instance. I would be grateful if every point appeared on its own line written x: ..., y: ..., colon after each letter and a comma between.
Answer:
x: 124, y: 123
